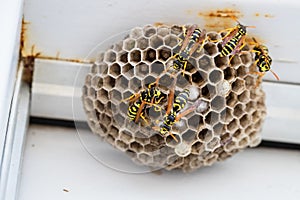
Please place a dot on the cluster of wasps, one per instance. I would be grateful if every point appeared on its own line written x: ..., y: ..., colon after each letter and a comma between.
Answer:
x: 194, y: 38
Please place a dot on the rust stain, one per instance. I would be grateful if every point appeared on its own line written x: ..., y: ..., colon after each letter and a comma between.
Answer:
x: 220, y: 19
x: 269, y: 16
x: 266, y: 15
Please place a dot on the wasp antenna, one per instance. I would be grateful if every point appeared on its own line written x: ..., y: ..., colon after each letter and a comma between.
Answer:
x: 253, y: 38
x: 276, y: 76
x: 250, y: 26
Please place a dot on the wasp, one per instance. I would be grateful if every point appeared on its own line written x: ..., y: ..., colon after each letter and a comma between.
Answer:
x: 234, y: 40
x: 193, y: 38
x: 262, y: 59
x: 150, y: 96
x: 173, y: 113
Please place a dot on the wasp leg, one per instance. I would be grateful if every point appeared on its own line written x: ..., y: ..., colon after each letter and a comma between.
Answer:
x: 132, y: 98
x: 170, y: 99
x: 184, y: 113
x: 138, y: 114
x: 173, y: 136
x: 187, y: 36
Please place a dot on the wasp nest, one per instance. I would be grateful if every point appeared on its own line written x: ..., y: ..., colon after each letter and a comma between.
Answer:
x: 229, y: 112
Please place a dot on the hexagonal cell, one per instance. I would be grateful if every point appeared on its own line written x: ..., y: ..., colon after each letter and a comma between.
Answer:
x: 150, y: 148
x: 229, y: 73
x: 242, y: 71
x: 122, y: 82
x: 145, y: 158
x: 135, y: 56
x: 243, y: 142
x: 191, y: 65
x: 149, y: 31
x: 97, y: 82
x: 208, y: 91
x: 115, y: 70
x: 233, y: 126
x: 110, y: 56
x: 149, y: 55
x: 238, y: 110
x: 235, y: 60
x: 213, y: 144
x: 189, y: 136
x: 205, y: 135
x: 221, y: 62
x: 210, y: 159
x: 213, y: 36
x: 118, y: 46
x: 142, y: 43
x: 170, y: 141
x: 197, y: 77
x: 164, y: 53
x: 135, y: 84
x: 215, y: 76
x: 163, y: 31
x: 148, y: 80
x: 102, y: 95
x: 246, y: 58
x: 142, y: 70
x: 98, y: 105
x: 123, y: 57
x: 195, y: 121
x: 109, y: 82
x: 211, y: 48
x: 166, y: 81
x: 244, y: 97
x: 128, y: 44
x: 88, y: 103
x: 121, y: 145
x: 183, y: 149
x: 245, y: 121
x: 205, y: 63
x: 218, y: 103
x: 136, y: 33
x: 238, y: 86
x: 102, y: 68
x: 125, y: 136
x: 171, y: 41
x: 156, y: 41
x: 128, y: 70
x: 157, y: 68
x: 250, y: 81
x: 136, y: 147
x: 197, y: 147
x: 91, y: 92
x: 250, y: 107
x: 212, y: 118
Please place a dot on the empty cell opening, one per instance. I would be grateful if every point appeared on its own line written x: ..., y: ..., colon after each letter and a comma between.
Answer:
x: 142, y: 43
x: 163, y: 31
x: 110, y: 56
x: 244, y: 97
x: 157, y: 67
x: 164, y: 54
x: 135, y: 84
x: 128, y: 70
x: 88, y: 104
x: 115, y: 69
x: 237, y: 133
x: 116, y: 95
x: 218, y: 103
x: 118, y: 46
x: 149, y: 31
x: 197, y: 78
x: 210, y: 48
x: 245, y: 121
x: 114, y: 131
x: 171, y: 41
x: 136, y: 33
x: 119, y: 119
x: 232, y: 126
x: 213, y: 144
x: 244, y: 142
x: 126, y: 136
x: 229, y: 73
x: 156, y: 41
x: 150, y: 55
x: 129, y: 44
x: 231, y: 99
x: 157, y: 140
x: 249, y: 80
x: 122, y: 82
x: 92, y: 92
x: 175, y: 29
x: 99, y: 106
x: 212, y: 118
x: 191, y: 65
x: 238, y: 110
x: 235, y: 60
x: 110, y: 139
x: 102, y: 95
x: 246, y: 58
x: 170, y: 140
x: 148, y: 79
x: 208, y: 91
x: 197, y: 147
x: 150, y: 148
x: 205, y: 135
x: 218, y: 128
x: 109, y: 82
x: 142, y: 69
x: 189, y: 136
x: 134, y: 146
x: 213, y: 36
x: 215, y: 76
x: 166, y: 81
x: 238, y: 86
x: 121, y: 145
x: 250, y: 106
x: 195, y: 121
x: 124, y: 57
x: 242, y: 71
x: 226, y: 138
x: 135, y: 56
x: 205, y: 63
x: 97, y: 82
x: 124, y: 108
x: 221, y: 62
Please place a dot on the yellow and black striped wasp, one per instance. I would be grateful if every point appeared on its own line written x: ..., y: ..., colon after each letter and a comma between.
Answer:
x: 193, y: 38
x: 173, y: 113
x: 234, y: 40
x: 262, y: 60
x: 150, y: 96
